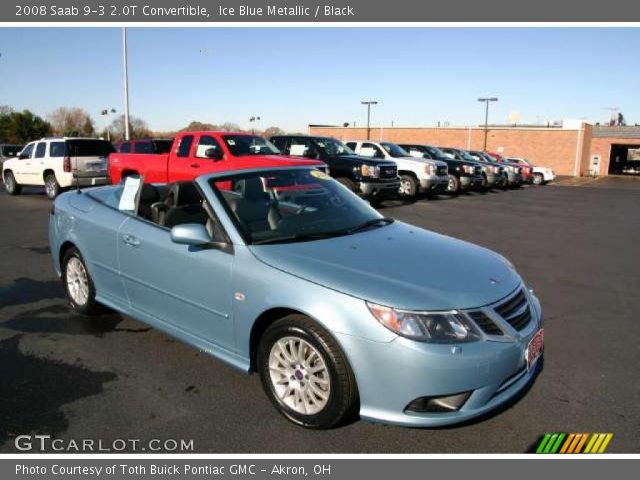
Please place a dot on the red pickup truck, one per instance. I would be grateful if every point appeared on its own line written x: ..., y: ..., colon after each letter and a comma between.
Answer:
x: 196, y: 153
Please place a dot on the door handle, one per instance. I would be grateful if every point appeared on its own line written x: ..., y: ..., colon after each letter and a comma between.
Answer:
x: 195, y: 165
x: 130, y: 240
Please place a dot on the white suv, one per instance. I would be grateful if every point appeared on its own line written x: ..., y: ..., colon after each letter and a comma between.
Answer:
x: 58, y: 163
x: 417, y: 175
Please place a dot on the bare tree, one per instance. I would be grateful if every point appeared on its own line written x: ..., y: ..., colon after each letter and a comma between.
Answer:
x: 71, y: 122
x: 138, y: 128
x: 230, y: 127
x: 271, y: 131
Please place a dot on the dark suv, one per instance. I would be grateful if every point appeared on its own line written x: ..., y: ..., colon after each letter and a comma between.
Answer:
x: 463, y: 175
x: 371, y: 178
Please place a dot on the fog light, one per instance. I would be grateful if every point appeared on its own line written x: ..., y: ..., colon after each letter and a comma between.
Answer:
x: 450, y: 403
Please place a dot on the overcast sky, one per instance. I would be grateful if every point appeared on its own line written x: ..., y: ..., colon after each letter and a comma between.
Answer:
x: 291, y: 77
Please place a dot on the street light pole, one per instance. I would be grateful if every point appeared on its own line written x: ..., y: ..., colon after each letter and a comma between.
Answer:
x: 126, y: 83
x: 486, y: 101
x: 368, y: 103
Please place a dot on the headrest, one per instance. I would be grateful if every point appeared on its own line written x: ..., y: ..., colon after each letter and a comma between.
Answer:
x: 253, y: 189
x: 183, y: 193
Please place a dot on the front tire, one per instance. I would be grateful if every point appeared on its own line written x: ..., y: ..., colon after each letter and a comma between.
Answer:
x: 305, y: 374
x: 51, y: 186
x: 453, y: 185
x: 347, y: 183
x: 78, y: 284
x: 538, y: 179
x: 408, y: 186
x: 10, y: 184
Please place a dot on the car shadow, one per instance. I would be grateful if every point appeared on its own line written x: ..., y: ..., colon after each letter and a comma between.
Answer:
x: 34, y: 389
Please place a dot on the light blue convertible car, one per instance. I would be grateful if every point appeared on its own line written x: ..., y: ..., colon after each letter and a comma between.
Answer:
x: 285, y: 272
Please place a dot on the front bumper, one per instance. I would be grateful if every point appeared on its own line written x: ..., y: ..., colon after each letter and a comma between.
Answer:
x: 434, y: 184
x: 469, y: 182
x: 380, y: 188
x: 392, y: 375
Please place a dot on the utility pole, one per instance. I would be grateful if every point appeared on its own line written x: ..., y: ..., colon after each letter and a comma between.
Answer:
x: 486, y: 101
x: 126, y: 83
x: 368, y: 103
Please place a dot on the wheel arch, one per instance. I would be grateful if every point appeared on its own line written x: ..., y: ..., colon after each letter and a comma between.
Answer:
x: 64, y: 248
x: 46, y: 172
x: 260, y: 325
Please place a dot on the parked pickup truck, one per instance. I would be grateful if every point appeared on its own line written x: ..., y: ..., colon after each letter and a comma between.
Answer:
x: 366, y: 176
x: 417, y: 175
x: 196, y: 153
x: 492, y: 175
x: 462, y: 175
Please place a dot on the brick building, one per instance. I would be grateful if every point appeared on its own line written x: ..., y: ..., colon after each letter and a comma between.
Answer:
x: 576, y: 148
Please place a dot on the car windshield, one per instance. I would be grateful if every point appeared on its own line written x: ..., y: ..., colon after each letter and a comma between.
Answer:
x: 293, y: 205
x: 243, y: 145
x: 88, y: 148
x: 435, y: 152
x: 467, y: 156
x: 333, y: 147
x: 394, y: 150
x: 10, y: 150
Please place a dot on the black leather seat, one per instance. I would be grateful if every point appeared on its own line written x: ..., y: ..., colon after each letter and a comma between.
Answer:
x: 255, y: 210
x: 183, y: 204
x: 149, y: 194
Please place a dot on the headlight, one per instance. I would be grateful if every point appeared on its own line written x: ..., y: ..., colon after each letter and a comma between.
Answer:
x: 434, y: 327
x: 430, y: 169
x: 467, y: 168
x: 368, y: 171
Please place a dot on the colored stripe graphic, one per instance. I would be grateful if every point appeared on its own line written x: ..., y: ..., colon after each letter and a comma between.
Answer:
x: 572, y: 443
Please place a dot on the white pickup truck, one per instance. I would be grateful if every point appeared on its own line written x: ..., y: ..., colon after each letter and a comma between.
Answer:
x: 417, y: 175
x: 58, y: 163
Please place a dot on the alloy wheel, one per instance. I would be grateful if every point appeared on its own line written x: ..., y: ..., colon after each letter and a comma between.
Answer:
x: 299, y: 375
x: 77, y: 281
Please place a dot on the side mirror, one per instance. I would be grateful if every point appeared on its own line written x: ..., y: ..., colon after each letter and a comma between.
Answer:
x: 190, y: 234
x: 214, y: 153
x: 22, y: 156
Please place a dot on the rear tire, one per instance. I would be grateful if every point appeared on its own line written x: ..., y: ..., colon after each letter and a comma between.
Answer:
x: 408, y: 186
x: 78, y: 284
x: 51, y: 186
x: 305, y: 374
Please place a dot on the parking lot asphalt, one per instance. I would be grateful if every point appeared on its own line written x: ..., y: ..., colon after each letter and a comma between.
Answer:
x: 115, y: 378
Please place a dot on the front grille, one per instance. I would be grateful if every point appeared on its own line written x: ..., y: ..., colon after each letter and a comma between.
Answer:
x: 442, y: 170
x: 515, y: 310
x: 388, y: 172
x: 477, y: 170
x: 485, y: 323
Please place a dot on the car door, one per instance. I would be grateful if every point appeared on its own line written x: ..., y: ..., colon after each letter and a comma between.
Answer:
x: 37, y: 166
x: 22, y: 170
x: 184, y: 287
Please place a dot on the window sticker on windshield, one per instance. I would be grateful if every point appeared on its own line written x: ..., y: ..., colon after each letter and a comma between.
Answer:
x: 321, y: 144
x: 319, y: 174
x: 231, y: 142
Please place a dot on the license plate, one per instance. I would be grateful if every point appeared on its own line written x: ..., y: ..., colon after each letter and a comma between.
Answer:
x: 534, y: 349
x: 95, y: 166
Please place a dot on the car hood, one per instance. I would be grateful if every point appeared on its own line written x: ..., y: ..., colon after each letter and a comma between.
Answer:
x: 399, y: 265
x: 366, y: 160
x: 281, y: 160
